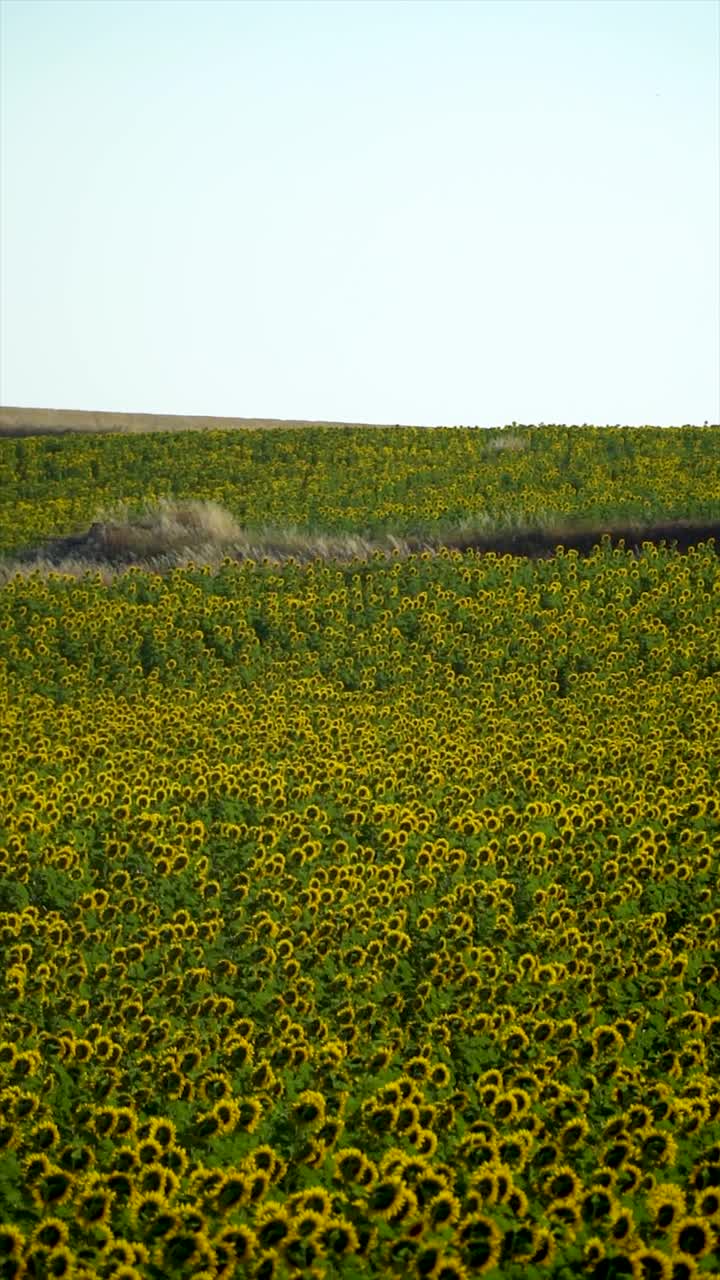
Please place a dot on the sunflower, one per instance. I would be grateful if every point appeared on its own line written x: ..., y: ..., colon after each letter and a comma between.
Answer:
x: 628, y: 1178
x: 231, y: 1194
x: 188, y: 1249
x: 227, y: 1114
x: 545, y: 1247
x: 266, y: 1159
x: 60, y: 1262
x: 268, y: 1266
x: 163, y: 1131
x: 164, y: 1224
x: 386, y: 1196
x: 312, y: 1200
x: 596, y: 1204
x: 546, y: 1155
x: 258, y: 1184
x: 708, y: 1204
x: 616, y: 1264
x: 693, y: 1236
x: 156, y: 1177
x: 425, y: 1142
x: 514, y: 1151
x: 616, y: 1153
x: 566, y: 1212
x: 429, y: 1182
x: 239, y: 1052
x: 176, y: 1160
x: 480, y: 1241
x: 707, y: 1172
x: 34, y: 1262
x: 308, y: 1224
x: 517, y: 1202
x: 94, y: 1205
x: 573, y: 1133
x: 250, y: 1114
x: 418, y: 1067
x: 442, y: 1210
x: 519, y: 1244
x: 666, y: 1204
x: 146, y: 1207
x: 593, y: 1251
x: 562, y: 1183
x: 53, y: 1189
x: 657, y: 1147
x: 300, y: 1253
x: 651, y: 1264
x: 50, y: 1233
x: 502, y: 1107
x: 272, y: 1225
x: 240, y: 1240
x: 103, y: 1121
x: 638, y: 1119
x: 12, y: 1243
x: 622, y: 1228
x: 340, y: 1237
x: 379, y: 1118
x: 311, y: 1151
x: 349, y: 1163
x: 426, y: 1260
x: 149, y: 1151
x: 606, y: 1040
x: 685, y: 1267
x: 515, y: 1040
x: 407, y: 1206
x: 124, y: 1160
x: 309, y: 1109
x: 439, y: 1075
x: 215, y: 1086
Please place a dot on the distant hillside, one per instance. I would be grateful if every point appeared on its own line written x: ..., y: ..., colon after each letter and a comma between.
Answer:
x: 40, y: 422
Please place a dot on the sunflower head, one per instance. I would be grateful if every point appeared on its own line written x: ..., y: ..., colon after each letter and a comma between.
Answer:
x: 693, y: 1236
x: 480, y: 1241
x: 12, y: 1241
x: 386, y: 1195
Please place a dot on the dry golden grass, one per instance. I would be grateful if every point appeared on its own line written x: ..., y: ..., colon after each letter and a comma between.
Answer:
x: 173, y: 534
x: 163, y: 529
x: 168, y: 535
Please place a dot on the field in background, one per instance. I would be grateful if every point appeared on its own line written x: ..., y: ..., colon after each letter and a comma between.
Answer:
x: 31, y: 422
x: 521, y: 489
x: 360, y: 881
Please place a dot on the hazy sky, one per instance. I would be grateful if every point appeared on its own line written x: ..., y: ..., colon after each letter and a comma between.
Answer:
x: 432, y: 213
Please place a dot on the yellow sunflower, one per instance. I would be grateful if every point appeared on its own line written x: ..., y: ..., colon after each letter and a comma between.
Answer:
x: 340, y: 1237
x: 652, y: 1264
x: 694, y: 1236
x: 386, y: 1196
x: 272, y: 1224
x: 480, y: 1241
x: 666, y: 1204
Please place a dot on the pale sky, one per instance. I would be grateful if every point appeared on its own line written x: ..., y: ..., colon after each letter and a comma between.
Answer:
x: 432, y: 213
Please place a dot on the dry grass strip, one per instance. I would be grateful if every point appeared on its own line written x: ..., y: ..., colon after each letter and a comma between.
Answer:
x: 176, y: 534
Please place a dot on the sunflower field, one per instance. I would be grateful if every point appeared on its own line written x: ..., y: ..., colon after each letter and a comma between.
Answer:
x: 363, y: 919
